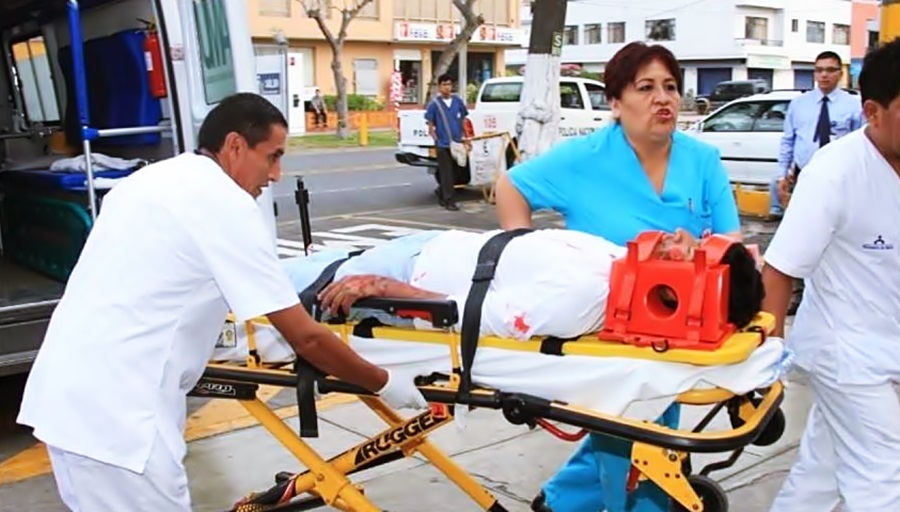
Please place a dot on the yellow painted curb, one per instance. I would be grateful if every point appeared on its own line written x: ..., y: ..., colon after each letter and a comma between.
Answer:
x: 214, y: 418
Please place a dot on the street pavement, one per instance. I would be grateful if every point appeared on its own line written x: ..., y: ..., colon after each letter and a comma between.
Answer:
x: 360, y: 199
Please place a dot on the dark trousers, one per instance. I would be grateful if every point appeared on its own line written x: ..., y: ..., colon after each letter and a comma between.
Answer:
x: 322, y: 118
x: 445, y: 174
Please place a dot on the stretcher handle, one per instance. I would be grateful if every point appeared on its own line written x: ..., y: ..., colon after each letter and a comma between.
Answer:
x: 441, y: 313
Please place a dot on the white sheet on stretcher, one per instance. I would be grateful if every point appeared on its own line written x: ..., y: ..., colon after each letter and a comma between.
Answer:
x: 633, y: 388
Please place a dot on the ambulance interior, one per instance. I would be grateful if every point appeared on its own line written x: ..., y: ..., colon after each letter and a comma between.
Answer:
x: 44, y: 199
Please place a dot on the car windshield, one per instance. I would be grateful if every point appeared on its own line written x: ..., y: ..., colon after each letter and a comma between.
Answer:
x: 502, y: 92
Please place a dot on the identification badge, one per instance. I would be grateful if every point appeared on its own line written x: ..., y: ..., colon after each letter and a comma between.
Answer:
x: 228, y: 336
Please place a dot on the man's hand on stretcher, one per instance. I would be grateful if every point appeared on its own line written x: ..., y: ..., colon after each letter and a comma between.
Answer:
x: 339, y: 296
x: 323, y: 349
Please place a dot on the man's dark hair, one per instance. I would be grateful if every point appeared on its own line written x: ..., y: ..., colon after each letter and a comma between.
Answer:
x: 445, y: 78
x: 248, y: 114
x: 828, y: 54
x: 746, y: 291
x: 879, y: 79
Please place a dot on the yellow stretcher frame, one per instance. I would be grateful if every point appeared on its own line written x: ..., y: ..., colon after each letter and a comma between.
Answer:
x: 659, y: 454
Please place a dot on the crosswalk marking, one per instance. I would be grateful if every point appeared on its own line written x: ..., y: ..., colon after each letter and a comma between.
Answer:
x: 345, y: 239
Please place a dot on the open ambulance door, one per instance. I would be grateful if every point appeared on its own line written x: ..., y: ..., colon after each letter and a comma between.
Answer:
x: 208, y: 55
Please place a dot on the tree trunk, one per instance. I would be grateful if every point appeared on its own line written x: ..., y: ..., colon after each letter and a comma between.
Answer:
x: 340, y: 86
x: 537, y: 124
x: 473, y: 21
x: 313, y: 9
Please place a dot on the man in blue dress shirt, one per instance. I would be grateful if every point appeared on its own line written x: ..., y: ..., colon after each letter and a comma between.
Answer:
x: 814, y: 119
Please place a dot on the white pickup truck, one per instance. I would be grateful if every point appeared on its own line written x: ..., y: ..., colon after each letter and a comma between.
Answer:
x: 583, y: 110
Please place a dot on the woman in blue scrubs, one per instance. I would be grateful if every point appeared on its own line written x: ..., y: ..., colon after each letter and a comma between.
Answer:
x: 637, y: 174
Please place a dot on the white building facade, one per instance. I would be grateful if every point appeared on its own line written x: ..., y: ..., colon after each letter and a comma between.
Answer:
x: 714, y: 40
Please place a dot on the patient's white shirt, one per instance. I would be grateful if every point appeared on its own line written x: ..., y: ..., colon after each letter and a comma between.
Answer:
x: 550, y: 282
x: 176, y: 246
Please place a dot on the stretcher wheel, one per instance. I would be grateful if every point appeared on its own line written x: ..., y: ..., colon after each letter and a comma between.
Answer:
x: 710, y: 493
x: 772, y: 431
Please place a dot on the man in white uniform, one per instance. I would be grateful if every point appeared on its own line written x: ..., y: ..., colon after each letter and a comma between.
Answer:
x: 841, y: 233
x: 177, y: 245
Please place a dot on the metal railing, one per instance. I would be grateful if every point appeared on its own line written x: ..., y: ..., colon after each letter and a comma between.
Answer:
x: 89, y: 133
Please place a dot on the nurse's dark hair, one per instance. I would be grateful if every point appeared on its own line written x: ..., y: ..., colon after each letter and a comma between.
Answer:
x: 622, y: 69
x: 248, y: 114
x: 879, y: 79
x: 746, y: 291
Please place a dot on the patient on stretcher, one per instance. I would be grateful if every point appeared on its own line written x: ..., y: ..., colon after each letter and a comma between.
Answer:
x: 549, y: 282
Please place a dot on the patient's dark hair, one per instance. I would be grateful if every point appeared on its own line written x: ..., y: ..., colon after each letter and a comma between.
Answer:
x: 746, y: 286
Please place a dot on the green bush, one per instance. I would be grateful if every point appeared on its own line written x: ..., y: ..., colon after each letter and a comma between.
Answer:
x: 355, y: 102
x: 472, y: 93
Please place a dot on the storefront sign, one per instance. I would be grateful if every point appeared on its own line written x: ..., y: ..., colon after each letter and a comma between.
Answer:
x: 768, y: 62
x: 445, y: 32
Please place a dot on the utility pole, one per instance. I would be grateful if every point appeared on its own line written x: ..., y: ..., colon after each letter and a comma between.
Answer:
x: 537, y: 124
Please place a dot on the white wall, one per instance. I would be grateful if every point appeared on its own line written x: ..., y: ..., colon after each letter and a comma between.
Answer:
x: 708, y: 29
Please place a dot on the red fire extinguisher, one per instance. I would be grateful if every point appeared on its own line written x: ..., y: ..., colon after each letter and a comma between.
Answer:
x: 156, y: 79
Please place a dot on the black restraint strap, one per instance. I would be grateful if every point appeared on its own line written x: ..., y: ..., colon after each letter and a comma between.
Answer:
x: 307, y: 374
x: 488, y: 258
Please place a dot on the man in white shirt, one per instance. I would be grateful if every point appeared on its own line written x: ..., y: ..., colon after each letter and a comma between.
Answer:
x: 177, y: 245
x: 841, y: 233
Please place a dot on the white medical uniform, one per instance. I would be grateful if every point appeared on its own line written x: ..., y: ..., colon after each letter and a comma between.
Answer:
x: 175, y: 247
x: 841, y: 233
x: 547, y: 283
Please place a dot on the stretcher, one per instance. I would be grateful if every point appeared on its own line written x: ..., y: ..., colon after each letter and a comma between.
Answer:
x: 659, y: 454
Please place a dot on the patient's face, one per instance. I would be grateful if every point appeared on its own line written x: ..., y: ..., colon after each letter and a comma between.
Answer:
x: 676, y: 247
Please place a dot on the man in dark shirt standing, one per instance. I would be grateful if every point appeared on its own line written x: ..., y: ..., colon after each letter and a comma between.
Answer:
x: 445, y: 115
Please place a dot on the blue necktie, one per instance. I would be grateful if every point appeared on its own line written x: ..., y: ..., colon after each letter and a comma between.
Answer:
x: 823, y: 128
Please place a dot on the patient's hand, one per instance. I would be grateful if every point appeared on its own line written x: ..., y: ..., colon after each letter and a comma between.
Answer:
x: 339, y: 296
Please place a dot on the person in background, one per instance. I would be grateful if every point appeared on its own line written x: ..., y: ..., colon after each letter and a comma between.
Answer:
x: 813, y: 119
x: 841, y: 233
x: 320, y: 110
x: 445, y: 115
x: 638, y: 173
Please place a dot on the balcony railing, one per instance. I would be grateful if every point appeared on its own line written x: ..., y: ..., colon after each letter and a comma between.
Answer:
x: 758, y: 42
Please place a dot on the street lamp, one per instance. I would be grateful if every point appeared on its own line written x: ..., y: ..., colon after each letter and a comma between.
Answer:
x: 282, y: 41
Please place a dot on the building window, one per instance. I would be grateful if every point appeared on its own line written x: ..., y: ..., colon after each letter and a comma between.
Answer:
x: 840, y: 34
x: 873, y: 39
x: 370, y: 10
x: 592, y: 34
x: 365, y: 77
x: 615, y: 32
x: 795, y: 25
x: 661, y: 30
x: 815, y: 32
x: 275, y: 8
x: 570, y: 35
x: 756, y: 28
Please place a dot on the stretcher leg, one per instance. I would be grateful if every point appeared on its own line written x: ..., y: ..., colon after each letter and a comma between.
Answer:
x: 329, y: 483
x: 442, y: 462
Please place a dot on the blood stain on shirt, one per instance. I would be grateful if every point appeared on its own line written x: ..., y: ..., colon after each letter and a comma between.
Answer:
x: 519, y: 323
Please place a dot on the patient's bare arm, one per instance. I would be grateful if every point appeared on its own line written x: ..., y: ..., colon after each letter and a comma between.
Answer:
x: 340, y: 295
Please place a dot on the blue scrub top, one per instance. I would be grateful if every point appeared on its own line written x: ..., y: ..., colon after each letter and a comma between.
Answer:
x: 598, y: 185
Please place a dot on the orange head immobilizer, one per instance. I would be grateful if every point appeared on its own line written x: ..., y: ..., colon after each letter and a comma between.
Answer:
x: 664, y: 303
